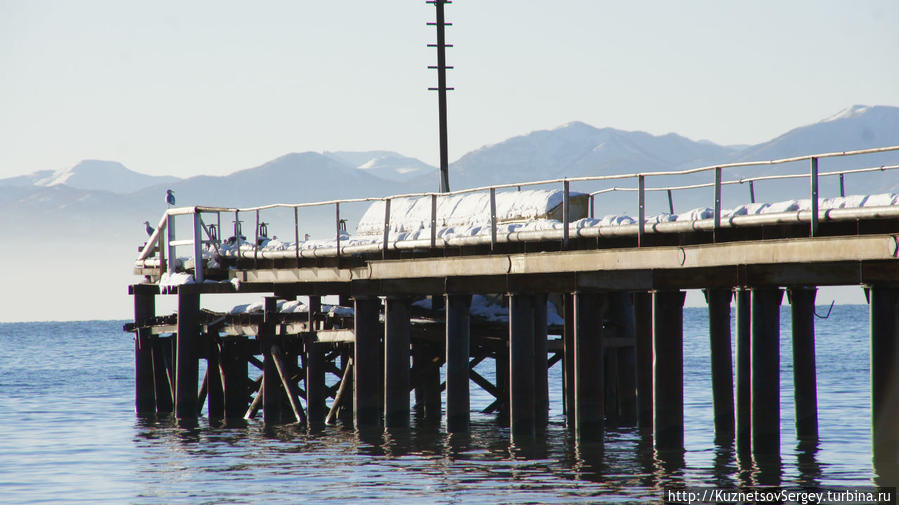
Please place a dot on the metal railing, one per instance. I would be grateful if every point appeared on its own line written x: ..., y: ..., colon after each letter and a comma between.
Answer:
x: 163, y: 239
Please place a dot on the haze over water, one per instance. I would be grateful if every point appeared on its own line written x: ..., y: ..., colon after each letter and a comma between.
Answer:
x: 68, y: 434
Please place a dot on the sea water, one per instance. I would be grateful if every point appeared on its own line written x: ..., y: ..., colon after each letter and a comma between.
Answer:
x: 68, y: 434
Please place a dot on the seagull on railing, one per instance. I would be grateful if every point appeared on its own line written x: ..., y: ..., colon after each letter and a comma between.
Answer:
x: 170, y: 197
x: 149, y: 228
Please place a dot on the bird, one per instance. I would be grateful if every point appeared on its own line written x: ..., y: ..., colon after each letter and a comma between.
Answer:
x: 170, y: 197
x: 149, y: 228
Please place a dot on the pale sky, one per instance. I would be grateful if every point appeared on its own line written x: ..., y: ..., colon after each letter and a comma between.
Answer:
x: 202, y: 87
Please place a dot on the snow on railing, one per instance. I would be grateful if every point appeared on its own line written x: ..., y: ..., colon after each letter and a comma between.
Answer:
x: 164, y: 241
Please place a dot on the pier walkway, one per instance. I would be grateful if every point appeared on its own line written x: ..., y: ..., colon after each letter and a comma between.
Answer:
x: 615, y: 283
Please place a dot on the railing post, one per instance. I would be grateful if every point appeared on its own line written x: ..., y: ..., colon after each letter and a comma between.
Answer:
x: 237, y: 229
x: 592, y: 205
x: 751, y: 192
x: 717, y: 199
x: 842, y: 186
x: 386, y: 227
x: 170, y: 238
x: 296, y: 231
x: 813, y: 176
x: 337, y: 222
x: 433, y: 220
x: 670, y: 203
x: 641, y: 207
x: 198, y: 247
x: 492, y: 218
x: 566, y: 213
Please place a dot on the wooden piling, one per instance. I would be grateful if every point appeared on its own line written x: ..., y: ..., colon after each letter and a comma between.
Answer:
x: 521, y: 366
x: 722, y: 364
x: 568, y: 380
x: 501, y: 371
x: 163, y: 386
x: 426, y: 376
x: 643, y: 358
x: 215, y: 389
x: 457, y: 352
x: 144, y: 387
x: 396, y: 362
x: 884, y: 322
x: 233, y: 360
x: 744, y: 372
x: 314, y: 360
x: 187, y: 354
x: 366, y: 363
x: 805, y: 390
x: 668, y: 369
x: 621, y: 315
x: 541, y: 370
x: 271, y: 380
x: 588, y: 366
x: 766, y: 371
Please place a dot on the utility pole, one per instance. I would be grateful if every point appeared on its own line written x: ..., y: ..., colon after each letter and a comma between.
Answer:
x: 441, y: 89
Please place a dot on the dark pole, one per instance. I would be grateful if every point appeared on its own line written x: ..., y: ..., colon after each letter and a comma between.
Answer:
x: 441, y: 91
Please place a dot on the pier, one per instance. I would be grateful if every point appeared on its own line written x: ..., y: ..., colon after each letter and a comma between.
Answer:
x: 404, y: 311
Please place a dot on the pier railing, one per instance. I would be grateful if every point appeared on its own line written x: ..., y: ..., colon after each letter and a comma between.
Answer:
x: 164, y: 240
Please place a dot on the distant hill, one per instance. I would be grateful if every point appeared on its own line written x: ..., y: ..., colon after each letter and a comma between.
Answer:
x: 94, y: 175
x: 387, y: 165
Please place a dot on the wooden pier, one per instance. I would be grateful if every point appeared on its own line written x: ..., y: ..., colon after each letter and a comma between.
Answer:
x: 620, y: 349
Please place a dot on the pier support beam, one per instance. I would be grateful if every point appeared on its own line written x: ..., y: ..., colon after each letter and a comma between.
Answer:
x: 215, y: 388
x: 668, y: 369
x: 643, y: 351
x: 163, y: 375
x: 744, y: 372
x: 187, y: 356
x: 366, y: 363
x: 458, y: 335
x: 802, y: 304
x: 426, y: 375
x: 233, y: 358
x: 884, y: 314
x: 144, y: 386
x: 722, y: 365
x: 314, y: 360
x: 766, y: 370
x: 621, y: 316
x: 271, y: 380
x: 568, y: 380
x: 521, y: 366
x: 396, y: 362
x: 541, y: 371
x: 588, y: 366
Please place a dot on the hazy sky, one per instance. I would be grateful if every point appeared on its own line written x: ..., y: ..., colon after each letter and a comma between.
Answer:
x: 195, y: 87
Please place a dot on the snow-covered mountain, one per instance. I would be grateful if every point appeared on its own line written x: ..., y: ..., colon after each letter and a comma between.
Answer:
x: 94, y: 175
x: 385, y: 164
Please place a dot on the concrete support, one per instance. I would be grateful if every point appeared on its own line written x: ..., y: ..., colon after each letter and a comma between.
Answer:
x: 396, y: 362
x: 144, y: 387
x: 744, y: 372
x: 271, y: 380
x: 766, y: 371
x: 668, y: 369
x: 458, y: 407
x: 521, y: 366
x: 802, y: 304
x: 366, y: 363
x: 568, y: 359
x: 541, y: 377
x: 588, y: 366
x: 884, y: 314
x: 722, y: 364
x: 187, y: 355
x: 620, y: 315
x: 643, y: 352
x: 233, y: 359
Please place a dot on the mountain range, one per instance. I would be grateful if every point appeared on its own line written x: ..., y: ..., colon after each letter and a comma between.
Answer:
x: 101, y: 205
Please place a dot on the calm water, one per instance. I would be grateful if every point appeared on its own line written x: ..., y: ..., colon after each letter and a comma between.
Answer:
x: 68, y: 435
